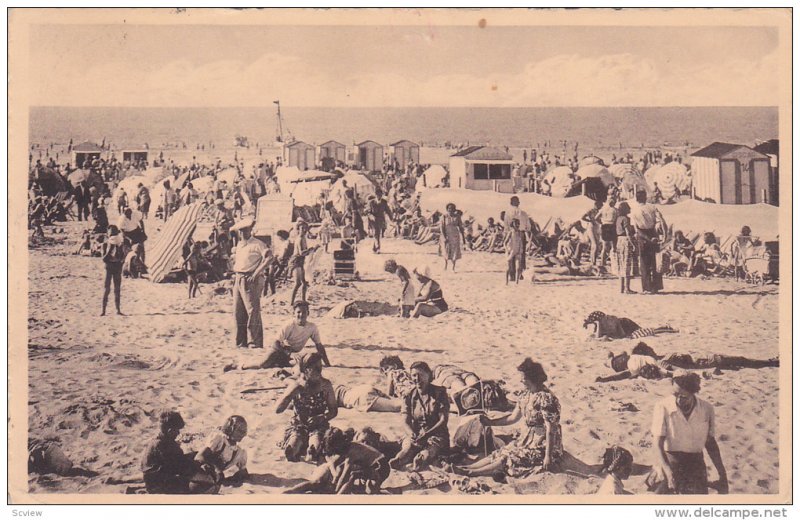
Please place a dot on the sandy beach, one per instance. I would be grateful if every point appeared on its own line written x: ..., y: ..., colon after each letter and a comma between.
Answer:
x: 97, y: 384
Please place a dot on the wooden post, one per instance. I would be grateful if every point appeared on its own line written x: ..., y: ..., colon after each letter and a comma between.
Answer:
x: 694, y: 193
x: 764, y: 196
x: 583, y: 189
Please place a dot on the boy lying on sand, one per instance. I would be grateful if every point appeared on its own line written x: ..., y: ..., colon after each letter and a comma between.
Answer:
x: 609, y: 327
x: 644, y: 362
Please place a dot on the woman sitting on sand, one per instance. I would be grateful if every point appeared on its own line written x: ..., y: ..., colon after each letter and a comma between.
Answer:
x: 608, y: 327
x: 407, y: 298
x: 426, y: 410
x: 644, y: 362
x: 538, y: 446
x: 430, y: 300
x: 314, y: 402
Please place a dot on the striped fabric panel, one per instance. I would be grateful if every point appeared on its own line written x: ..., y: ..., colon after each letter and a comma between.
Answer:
x: 169, y: 245
x: 642, y: 333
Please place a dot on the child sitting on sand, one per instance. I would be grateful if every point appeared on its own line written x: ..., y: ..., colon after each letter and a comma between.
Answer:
x: 618, y: 463
x: 166, y: 469
x: 350, y: 468
x: 222, y: 452
x: 86, y: 242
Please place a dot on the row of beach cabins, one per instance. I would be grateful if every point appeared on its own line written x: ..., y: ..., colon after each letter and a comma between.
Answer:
x: 724, y: 173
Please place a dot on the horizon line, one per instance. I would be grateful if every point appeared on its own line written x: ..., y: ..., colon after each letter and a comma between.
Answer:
x: 405, y: 107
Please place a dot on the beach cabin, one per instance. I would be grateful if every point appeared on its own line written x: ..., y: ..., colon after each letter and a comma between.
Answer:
x: 135, y: 155
x: 405, y: 152
x: 84, y: 153
x: 370, y: 156
x: 728, y: 173
x: 333, y: 149
x: 482, y: 168
x: 301, y: 155
x: 771, y: 149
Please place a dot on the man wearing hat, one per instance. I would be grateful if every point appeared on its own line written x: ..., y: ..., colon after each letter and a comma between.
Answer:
x: 250, y: 258
x: 524, y: 225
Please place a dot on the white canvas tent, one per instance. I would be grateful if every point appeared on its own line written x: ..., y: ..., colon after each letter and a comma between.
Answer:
x: 485, y: 204
x: 560, y: 180
x: 596, y: 170
x: 433, y: 177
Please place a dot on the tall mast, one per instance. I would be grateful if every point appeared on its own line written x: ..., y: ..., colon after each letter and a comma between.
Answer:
x: 279, y: 137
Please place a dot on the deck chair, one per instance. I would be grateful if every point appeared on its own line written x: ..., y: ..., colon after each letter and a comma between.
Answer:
x: 69, y: 203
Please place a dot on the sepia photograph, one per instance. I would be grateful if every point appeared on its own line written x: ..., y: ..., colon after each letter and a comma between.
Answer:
x: 400, y: 256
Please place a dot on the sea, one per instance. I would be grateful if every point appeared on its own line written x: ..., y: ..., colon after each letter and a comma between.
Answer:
x: 598, y: 128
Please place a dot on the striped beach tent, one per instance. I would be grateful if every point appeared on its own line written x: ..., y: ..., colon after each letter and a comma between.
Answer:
x: 169, y: 245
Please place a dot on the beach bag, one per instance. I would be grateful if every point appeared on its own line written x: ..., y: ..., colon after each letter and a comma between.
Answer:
x: 473, y: 438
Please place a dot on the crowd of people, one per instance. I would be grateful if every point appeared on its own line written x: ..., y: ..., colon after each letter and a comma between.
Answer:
x: 629, y: 235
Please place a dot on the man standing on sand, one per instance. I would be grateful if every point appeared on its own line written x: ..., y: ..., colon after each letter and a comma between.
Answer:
x: 524, y: 226
x: 647, y: 220
x: 251, y: 257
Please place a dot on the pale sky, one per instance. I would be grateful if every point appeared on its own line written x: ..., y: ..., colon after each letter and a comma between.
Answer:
x: 204, y: 65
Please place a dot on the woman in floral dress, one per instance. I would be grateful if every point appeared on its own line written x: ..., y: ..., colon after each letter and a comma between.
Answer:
x: 539, y: 444
x: 314, y: 402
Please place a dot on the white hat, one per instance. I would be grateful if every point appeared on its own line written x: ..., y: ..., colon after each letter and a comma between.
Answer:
x: 246, y: 222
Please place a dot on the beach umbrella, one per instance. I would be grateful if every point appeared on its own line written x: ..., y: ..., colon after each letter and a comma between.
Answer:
x: 667, y: 177
x: 650, y: 175
x: 633, y: 182
x: 619, y: 170
x: 596, y: 171
x: 227, y: 176
x: 131, y: 187
x: 77, y: 177
x: 677, y: 174
x: 434, y: 177
x: 589, y: 160
x: 560, y: 180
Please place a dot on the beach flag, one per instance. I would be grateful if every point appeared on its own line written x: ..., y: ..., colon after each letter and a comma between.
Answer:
x: 169, y: 245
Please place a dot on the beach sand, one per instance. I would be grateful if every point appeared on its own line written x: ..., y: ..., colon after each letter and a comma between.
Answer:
x: 98, y: 383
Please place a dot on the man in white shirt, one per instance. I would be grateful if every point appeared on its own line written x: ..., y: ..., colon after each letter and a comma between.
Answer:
x: 251, y: 257
x: 292, y: 339
x: 131, y: 224
x: 683, y: 425
x: 648, y: 221
x: 524, y: 225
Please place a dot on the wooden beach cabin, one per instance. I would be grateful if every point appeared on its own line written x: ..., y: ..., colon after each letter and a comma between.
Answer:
x: 771, y: 149
x: 370, y: 156
x: 133, y: 154
x: 84, y: 153
x: 482, y: 168
x: 405, y: 152
x: 333, y: 149
x: 728, y: 173
x: 300, y: 154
